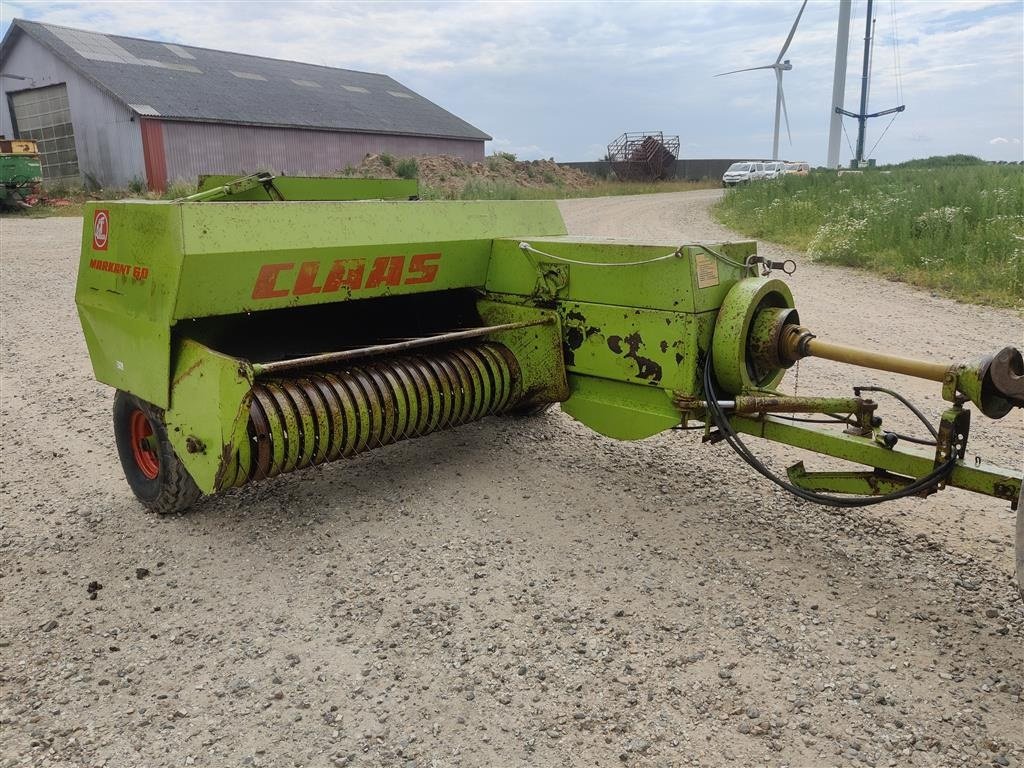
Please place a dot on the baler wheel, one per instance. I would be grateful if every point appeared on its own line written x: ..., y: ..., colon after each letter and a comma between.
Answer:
x: 154, y: 473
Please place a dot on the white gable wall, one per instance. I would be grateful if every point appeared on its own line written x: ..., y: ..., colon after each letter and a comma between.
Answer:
x: 107, y: 136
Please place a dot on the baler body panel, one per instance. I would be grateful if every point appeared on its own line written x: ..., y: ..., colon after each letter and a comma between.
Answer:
x: 695, y: 281
x: 128, y: 278
x: 148, y: 265
x: 242, y: 257
x: 631, y: 314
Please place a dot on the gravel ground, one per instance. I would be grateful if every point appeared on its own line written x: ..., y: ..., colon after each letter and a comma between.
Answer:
x: 509, y: 593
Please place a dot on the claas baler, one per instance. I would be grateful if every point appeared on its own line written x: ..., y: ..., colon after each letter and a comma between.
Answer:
x: 248, y: 335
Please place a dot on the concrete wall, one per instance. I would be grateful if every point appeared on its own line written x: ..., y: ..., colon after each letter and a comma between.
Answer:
x: 107, y: 138
x: 192, y: 149
x: 688, y: 169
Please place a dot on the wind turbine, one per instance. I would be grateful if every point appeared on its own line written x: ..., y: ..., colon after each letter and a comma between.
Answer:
x: 779, y: 66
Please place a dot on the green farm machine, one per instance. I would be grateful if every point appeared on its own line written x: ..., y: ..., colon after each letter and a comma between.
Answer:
x: 251, y: 330
x: 21, y: 173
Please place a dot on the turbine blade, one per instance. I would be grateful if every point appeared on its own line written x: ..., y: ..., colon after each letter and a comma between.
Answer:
x: 785, y: 46
x: 748, y: 69
x: 785, y: 112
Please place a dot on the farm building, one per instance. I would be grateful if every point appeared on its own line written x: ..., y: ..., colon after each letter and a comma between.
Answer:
x: 109, y: 111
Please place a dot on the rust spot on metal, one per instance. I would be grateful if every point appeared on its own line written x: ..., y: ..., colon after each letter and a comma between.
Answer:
x: 646, y: 368
x: 577, y: 316
x: 574, y: 337
x: 187, y: 372
x: 221, y: 479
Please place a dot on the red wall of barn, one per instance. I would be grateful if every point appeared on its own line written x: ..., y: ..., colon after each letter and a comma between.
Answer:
x: 192, y: 149
x: 153, y: 154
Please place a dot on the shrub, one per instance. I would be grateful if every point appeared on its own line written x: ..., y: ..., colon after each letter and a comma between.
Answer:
x: 408, y: 168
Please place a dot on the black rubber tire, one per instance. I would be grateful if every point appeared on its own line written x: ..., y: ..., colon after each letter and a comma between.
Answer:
x: 531, y: 411
x: 173, y: 489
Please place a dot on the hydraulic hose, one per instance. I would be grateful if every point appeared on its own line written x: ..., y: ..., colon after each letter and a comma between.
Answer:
x: 721, y: 421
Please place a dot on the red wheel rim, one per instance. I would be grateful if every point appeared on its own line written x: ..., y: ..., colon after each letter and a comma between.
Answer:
x: 146, y: 458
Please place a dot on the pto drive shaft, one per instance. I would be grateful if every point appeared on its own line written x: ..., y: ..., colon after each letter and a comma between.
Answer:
x: 994, y: 383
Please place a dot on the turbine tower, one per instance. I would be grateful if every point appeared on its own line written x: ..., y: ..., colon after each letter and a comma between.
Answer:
x: 839, y: 84
x: 779, y: 66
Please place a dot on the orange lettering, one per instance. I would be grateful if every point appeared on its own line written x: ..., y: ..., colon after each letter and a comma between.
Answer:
x: 386, y: 270
x: 347, y: 272
x: 266, y: 281
x: 424, y: 271
x: 305, y: 283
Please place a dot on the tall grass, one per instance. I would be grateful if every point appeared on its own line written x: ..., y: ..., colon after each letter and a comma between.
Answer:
x: 956, y: 230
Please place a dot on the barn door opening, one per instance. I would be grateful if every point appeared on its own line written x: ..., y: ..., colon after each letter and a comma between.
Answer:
x: 44, y: 115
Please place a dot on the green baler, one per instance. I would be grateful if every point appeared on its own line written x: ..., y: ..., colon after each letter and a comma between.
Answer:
x: 247, y: 339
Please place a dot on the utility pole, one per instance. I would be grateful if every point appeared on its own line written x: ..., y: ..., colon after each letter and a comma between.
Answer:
x: 862, y: 116
x: 862, y: 120
x: 839, y: 83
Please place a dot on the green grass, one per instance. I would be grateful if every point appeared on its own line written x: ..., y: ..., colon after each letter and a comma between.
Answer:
x: 957, y: 230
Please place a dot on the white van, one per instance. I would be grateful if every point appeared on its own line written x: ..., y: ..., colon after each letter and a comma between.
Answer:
x: 773, y: 170
x: 738, y: 173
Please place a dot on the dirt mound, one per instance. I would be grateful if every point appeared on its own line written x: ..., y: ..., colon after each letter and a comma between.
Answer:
x: 449, y: 175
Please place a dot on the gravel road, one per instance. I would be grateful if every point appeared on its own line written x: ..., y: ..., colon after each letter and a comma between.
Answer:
x: 509, y: 593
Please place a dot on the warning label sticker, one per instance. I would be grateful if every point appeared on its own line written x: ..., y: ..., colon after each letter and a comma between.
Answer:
x: 707, y: 270
x: 100, y: 230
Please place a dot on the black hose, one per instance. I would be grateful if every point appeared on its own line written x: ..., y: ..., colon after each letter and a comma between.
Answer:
x: 721, y: 421
x: 910, y: 406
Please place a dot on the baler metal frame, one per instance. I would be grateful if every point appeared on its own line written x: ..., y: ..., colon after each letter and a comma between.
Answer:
x: 509, y: 314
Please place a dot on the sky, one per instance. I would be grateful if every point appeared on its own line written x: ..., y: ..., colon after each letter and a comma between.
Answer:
x: 563, y: 79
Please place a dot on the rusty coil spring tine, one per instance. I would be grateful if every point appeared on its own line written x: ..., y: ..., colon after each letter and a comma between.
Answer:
x: 443, y: 393
x: 501, y: 377
x: 307, y: 429
x: 508, y: 377
x: 272, y: 464
x: 336, y: 412
x: 371, y: 400
x: 322, y: 419
x: 367, y: 407
x: 259, y: 428
x: 358, y: 415
x: 488, y: 394
x: 321, y: 416
x: 491, y: 380
x: 243, y: 458
x: 356, y: 423
x: 472, y: 388
x: 290, y: 425
x: 456, y: 390
x: 414, y: 404
x: 393, y: 400
x: 427, y: 404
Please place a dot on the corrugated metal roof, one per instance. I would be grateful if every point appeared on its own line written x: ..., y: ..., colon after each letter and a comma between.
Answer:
x: 218, y: 86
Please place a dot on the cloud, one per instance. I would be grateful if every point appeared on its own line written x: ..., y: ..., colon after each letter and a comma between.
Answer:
x: 565, y: 78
